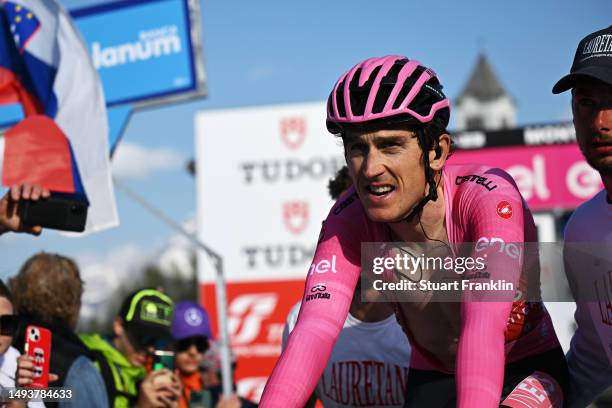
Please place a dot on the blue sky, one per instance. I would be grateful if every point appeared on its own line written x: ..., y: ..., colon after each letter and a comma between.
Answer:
x: 274, y: 52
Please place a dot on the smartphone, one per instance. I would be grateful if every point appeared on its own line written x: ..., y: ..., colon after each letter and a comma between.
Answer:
x: 62, y: 211
x: 38, y: 346
x: 163, y: 359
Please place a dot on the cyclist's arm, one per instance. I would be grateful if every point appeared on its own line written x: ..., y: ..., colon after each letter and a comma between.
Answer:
x: 325, y: 305
x: 481, y: 352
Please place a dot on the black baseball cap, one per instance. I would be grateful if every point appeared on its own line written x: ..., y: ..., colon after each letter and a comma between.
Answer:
x: 593, y: 59
x: 147, y: 314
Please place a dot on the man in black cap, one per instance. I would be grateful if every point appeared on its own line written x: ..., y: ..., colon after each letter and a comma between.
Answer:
x: 588, y: 235
x: 142, y: 326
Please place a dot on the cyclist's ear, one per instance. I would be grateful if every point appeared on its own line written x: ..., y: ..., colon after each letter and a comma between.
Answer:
x: 439, y: 153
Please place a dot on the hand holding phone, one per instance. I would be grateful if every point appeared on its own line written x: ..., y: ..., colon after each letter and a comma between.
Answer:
x: 163, y: 359
x: 38, y: 347
x: 60, y: 211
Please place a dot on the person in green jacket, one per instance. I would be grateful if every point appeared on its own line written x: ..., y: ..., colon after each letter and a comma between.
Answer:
x: 142, y: 326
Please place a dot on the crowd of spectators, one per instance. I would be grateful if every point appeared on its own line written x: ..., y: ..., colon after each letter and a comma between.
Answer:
x: 117, y: 369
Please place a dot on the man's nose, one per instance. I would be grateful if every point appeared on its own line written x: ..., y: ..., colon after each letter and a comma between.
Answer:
x: 373, y: 165
x: 603, y: 120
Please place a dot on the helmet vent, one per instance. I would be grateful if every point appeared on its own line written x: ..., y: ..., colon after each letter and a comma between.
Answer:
x: 386, y: 86
x: 359, y: 94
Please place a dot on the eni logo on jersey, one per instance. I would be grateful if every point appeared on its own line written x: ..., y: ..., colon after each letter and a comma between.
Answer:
x: 511, y: 249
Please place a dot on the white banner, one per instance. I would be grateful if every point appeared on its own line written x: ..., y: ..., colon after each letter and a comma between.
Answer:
x: 262, y: 176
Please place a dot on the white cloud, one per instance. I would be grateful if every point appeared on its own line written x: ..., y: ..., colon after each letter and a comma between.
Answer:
x: 132, y: 160
x: 104, y: 274
x: 177, y: 256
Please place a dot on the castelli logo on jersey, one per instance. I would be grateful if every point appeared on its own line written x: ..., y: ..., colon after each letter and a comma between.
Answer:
x: 246, y: 315
x: 504, y: 210
x: 293, y: 132
x: 295, y: 215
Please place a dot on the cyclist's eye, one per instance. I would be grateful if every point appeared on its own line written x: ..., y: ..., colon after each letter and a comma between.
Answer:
x: 356, y: 149
x: 389, y: 144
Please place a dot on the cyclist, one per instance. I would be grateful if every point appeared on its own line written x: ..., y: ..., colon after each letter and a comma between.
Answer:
x: 369, y: 362
x: 392, y: 115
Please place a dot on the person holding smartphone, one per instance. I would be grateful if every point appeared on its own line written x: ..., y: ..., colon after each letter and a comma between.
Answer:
x: 9, y: 354
x: 10, y: 218
x: 141, y: 327
x: 191, y: 332
x: 47, y: 293
x: 201, y: 386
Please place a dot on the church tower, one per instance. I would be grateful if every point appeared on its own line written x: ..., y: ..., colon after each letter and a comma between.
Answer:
x: 484, y: 104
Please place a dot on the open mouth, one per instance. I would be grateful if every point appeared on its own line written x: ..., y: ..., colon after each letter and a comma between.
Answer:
x: 380, y: 190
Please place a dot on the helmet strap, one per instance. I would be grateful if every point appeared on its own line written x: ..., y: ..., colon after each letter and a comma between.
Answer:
x: 432, y: 195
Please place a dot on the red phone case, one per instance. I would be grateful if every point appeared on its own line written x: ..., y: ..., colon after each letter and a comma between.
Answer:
x: 38, y: 346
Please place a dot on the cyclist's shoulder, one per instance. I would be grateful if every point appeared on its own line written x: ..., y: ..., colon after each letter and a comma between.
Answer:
x: 478, y: 178
x: 473, y: 186
x: 348, y: 212
x: 347, y: 204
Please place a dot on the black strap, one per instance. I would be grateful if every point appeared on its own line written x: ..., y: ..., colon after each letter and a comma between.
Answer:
x: 432, y: 195
x: 109, y: 380
x: 107, y: 375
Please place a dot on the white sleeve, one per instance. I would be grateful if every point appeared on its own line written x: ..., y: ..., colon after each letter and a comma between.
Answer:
x: 588, y: 364
x: 290, y: 322
x: 590, y: 371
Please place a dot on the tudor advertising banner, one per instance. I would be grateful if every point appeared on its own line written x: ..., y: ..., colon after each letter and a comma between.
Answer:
x: 262, y: 177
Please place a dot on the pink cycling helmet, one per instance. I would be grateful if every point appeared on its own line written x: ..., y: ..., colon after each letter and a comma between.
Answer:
x: 386, y: 90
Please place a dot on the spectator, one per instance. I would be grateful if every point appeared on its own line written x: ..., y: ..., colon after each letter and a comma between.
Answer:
x: 10, y: 219
x: 201, y: 383
x: 339, y: 183
x: 143, y: 325
x: 191, y: 331
x: 47, y: 292
x: 9, y: 354
x: 588, y: 234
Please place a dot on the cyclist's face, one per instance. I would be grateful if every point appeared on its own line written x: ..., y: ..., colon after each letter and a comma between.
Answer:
x: 592, y: 109
x: 387, y: 171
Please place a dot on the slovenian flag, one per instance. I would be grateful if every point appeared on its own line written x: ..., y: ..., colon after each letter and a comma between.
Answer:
x: 62, y: 144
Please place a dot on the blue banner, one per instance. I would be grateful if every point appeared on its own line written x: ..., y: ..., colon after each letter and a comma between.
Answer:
x: 142, y: 49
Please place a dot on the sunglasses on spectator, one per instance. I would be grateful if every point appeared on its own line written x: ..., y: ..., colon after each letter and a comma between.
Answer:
x: 200, y: 343
x: 144, y: 343
x: 8, y: 324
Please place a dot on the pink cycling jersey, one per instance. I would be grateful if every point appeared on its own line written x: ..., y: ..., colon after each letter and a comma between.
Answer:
x: 481, y: 203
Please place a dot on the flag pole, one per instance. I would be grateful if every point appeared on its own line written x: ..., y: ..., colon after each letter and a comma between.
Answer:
x: 220, y: 289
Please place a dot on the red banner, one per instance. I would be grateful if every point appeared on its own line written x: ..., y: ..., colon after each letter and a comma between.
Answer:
x: 256, y: 316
